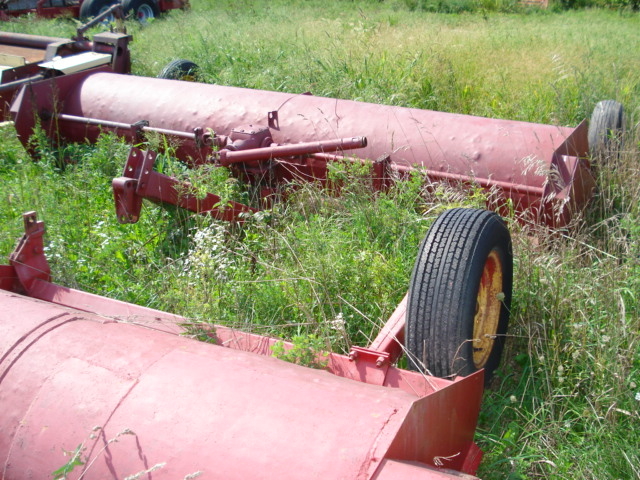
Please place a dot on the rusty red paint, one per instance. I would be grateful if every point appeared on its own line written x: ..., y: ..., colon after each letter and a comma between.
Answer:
x: 390, y: 339
x: 201, y: 407
x: 28, y: 260
x: 141, y: 181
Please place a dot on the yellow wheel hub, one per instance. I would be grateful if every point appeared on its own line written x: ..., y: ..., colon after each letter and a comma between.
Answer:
x: 488, y: 305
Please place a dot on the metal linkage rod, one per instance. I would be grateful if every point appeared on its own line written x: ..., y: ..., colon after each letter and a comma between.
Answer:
x: 142, y: 126
x: 227, y: 157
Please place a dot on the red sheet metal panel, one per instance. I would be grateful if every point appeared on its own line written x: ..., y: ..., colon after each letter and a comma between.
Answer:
x: 195, y: 407
x: 8, y: 278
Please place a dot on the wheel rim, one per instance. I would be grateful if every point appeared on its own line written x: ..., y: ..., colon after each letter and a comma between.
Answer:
x: 109, y: 18
x: 488, y: 305
x: 145, y: 12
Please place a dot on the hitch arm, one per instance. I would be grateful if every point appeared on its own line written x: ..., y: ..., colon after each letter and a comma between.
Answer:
x: 116, y: 10
x: 140, y: 181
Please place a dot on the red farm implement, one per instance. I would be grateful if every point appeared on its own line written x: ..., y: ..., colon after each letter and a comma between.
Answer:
x: 26, y: 59
x: 267, y: 139
x: 142, y: 10
x: 77, y: 368
x: 120, y: 381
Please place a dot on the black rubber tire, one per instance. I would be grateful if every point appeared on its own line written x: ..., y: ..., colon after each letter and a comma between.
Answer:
x: 93, y: 8
x: 180, y: 70
x: 606, y: 127
x: 141, y: 10
x: 444, y: 293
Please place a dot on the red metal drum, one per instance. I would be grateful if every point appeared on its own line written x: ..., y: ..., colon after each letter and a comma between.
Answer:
x: 134, y: 397
x: 541, y: 168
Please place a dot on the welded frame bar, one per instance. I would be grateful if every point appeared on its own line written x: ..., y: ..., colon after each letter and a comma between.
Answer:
x: 140, y: 181
x: 454, y: 177
x: 14, y: 85
x: 390, y: 339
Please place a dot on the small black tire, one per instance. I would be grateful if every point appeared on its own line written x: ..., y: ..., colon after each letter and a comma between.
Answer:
x: 93, y: 8
x: 606, y: 127
x: 460, y: 295
x: 180, y: 70
x: 141, y: 10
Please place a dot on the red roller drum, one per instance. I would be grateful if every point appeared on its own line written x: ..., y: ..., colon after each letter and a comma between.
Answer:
x: 541, y: 168
x: 69, y: 377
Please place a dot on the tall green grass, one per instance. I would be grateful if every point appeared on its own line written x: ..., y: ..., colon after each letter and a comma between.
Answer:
x: 566, y: 400
x: 567, y: 403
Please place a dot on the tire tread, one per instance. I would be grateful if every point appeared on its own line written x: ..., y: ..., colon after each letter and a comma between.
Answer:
x: 439, y: 290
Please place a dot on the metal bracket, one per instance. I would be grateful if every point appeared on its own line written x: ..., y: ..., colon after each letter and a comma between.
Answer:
x: 140, y: 181
x: 125, y: 189
x: 28, y: 258
x: 371, y: 365
x: 382, y: 173
x: 137, y: 130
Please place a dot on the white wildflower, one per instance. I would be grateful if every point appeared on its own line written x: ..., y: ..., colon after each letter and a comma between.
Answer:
x: 338, y: 323
x: 209, y: 255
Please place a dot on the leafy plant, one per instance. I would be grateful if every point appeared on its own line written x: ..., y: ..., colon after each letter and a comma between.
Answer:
x: 75, y: 460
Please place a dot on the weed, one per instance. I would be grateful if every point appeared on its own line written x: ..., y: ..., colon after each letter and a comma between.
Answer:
x: 307, y: 350
x: 74, y: 461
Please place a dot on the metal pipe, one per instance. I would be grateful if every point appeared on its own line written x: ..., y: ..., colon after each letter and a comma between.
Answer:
x: 482, y: 182
x: 12, y: 86
x: 25, y: 40
x: 228, y: 157
x: 125, y: 126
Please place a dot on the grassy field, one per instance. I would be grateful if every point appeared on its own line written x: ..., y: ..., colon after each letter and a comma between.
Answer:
x: 565, y: 402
